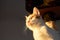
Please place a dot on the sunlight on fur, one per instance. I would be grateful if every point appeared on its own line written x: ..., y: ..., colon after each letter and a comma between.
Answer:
x: 41, y: 30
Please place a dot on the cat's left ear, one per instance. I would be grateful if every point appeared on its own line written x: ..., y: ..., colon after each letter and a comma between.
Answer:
x: 36, y: 11
x: 26, y: 17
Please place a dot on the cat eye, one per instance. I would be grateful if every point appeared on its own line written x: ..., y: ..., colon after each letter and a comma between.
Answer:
x: 38, y: 17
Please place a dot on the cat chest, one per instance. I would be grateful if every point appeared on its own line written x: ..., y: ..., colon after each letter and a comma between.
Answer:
x: 41, y: 36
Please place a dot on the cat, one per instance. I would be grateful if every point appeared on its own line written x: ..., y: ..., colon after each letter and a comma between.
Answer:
x: 41, y: 30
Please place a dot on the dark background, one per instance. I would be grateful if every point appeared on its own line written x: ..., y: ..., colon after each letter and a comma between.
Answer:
x: 12, y: 21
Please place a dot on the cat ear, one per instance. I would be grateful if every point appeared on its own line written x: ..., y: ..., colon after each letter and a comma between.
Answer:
x: 26, y: 17
x: 36, y: 11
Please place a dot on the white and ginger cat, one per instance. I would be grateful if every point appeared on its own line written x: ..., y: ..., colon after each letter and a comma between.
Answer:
x: 40, y: 30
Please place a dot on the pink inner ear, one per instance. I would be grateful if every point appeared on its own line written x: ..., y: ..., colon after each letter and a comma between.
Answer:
x: 36, y: 11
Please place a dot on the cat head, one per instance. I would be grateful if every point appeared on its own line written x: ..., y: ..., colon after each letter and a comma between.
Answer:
x: 34, y: 20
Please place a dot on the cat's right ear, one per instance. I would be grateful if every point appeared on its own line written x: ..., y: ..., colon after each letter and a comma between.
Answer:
x: 36, y: 11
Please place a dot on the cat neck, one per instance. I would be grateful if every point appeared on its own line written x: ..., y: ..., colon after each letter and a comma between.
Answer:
x: 40, y: 29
